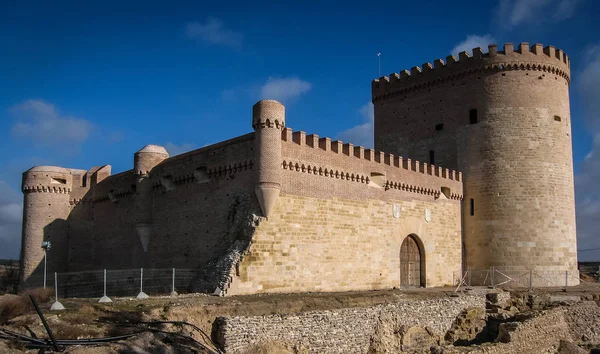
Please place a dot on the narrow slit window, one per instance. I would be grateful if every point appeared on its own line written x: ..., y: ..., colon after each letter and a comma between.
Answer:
x: 472, y: 207
x: 439, y: 126
x: 431, y: 157
x: 473, y: 116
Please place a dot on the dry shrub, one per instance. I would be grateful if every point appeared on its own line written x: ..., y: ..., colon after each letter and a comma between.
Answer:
x: 270, y: 347
x: 12, y: 306
x: 40, y: 295
x: 9, y: 279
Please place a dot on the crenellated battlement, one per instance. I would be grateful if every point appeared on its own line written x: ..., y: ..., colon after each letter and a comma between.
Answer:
x: 46, y: 189
x: 535, y: 58
x: 49, y: 179
x: 367, y: 155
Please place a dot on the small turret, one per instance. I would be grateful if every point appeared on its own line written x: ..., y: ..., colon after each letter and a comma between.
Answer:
x: 148, y: 157
x: 268, y: 120
x: 144, y: 161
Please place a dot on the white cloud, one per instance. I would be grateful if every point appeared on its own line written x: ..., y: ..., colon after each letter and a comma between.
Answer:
x: 41, y: 122
x: 11, y: 213
x: 513, y: 13
x: 212, y: 31
x: 587, y: 187
x: 284, y: 89
x: 174, y: 149
x: 361, y: 134
x: 473, y: 41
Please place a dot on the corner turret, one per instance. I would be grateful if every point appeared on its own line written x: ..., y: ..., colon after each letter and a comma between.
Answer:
x: 268, y: 120
x: 46, y: 208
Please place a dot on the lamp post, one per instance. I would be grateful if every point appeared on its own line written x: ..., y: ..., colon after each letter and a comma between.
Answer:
x: 46, y: 247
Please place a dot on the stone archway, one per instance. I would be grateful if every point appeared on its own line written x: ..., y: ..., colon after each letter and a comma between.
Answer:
x: 412, y: 262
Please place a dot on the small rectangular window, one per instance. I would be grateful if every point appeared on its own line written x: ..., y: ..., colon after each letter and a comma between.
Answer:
x: 472, y: 207
x: 439, y: 126
x: 432, y: 157
x: 557, y: 118
x: 473, y: 116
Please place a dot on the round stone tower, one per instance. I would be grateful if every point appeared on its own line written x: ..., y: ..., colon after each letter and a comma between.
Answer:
x: 268, y: 120
x: 503, y: 119
x: 516, y: 158
x: 143, y: 162
x: 45, y: 211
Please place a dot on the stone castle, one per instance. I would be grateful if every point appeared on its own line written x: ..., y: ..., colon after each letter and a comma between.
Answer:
x: 472, y: 168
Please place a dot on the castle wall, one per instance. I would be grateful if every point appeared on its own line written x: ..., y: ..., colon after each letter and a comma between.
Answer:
x: 516, y: 159
x: 313, y: 244
x: 190, y: 197
x: 335, y: 230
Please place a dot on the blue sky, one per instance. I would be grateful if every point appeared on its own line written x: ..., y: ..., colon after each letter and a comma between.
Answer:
x: 86, y: 84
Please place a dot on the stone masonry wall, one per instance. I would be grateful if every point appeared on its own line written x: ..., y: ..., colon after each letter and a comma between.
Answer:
x: 348, y: 330
x: 334, y: 244
x: 333, y: 226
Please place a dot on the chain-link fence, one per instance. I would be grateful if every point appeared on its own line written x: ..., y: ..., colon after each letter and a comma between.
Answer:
x: 497, y: 277
x: 124, y: 282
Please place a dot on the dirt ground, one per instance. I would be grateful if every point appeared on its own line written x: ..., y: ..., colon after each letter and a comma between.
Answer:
x: 86, y: 318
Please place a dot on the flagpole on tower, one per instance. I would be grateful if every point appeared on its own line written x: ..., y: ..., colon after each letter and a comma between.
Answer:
x: 379, y: 60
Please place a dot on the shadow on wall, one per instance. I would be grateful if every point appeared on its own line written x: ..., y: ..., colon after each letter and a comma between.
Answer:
x: 56, y: 233
x: 103, y: 234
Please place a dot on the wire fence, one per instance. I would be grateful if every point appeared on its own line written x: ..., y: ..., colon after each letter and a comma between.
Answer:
x: 497, y: 277
x: 121, y: 283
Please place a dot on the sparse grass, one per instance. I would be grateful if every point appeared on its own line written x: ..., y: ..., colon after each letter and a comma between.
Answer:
x: 74, y: 330
x: 9, y: 279
x: 12, y: 306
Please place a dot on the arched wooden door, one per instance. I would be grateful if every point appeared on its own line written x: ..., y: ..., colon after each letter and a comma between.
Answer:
x: 410, y: 262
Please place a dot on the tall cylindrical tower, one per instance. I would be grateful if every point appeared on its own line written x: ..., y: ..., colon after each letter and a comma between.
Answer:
x: 45, y: 212
x: 143, y: 162
x: 503, y: 119
x: 268, y: 120
x: 516, y: 158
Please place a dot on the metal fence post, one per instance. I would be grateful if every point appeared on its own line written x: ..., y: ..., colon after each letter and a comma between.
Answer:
x: 530, y: 279
x: 142, y: 295
x: 566, y: 279
x: 174, y: 293
x: 56, y: 305
x: 469, y: 272
x: 105, y: 298
x: 492, y: 276
x: 45, y: 263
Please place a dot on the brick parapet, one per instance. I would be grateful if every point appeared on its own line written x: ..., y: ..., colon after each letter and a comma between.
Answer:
x: 534, y: 58
x: 346, y: 162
